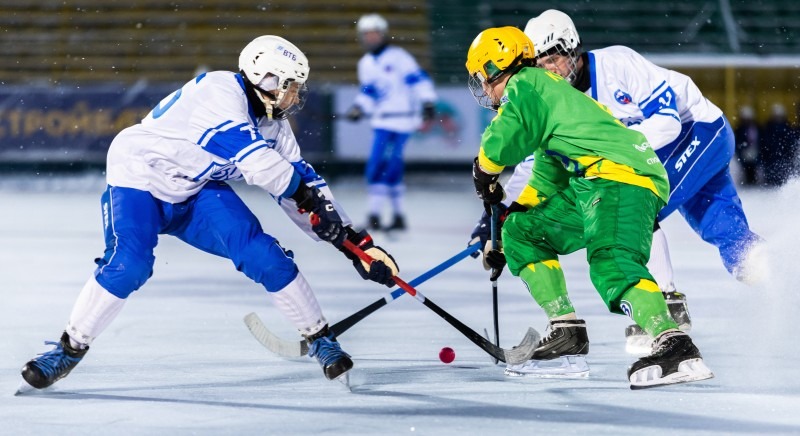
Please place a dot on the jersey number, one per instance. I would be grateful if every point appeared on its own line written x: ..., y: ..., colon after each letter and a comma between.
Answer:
x: 159, y: 110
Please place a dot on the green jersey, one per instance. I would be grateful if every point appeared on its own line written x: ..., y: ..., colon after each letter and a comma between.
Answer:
x: 569, y: 134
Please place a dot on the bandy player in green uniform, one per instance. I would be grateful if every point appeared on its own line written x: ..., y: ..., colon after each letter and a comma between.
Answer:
x: 594, y: 185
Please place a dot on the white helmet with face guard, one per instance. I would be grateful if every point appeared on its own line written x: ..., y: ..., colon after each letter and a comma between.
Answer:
x: 278, y: 70
x: 554, y: 36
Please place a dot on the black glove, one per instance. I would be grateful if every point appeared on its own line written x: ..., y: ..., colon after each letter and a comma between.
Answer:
x: 326, y: 222
x: 354, y: 113
x: 493, y: 257
x: 496, y: 261
x: 383, y: 266
x: 483, y: 230
x: 428, y: 111
x: 487, y: 186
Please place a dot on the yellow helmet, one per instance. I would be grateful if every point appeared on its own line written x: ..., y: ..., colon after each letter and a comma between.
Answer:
x: 496, y: 50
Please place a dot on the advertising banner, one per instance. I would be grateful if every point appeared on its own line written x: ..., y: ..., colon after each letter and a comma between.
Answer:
x: 453, y: 137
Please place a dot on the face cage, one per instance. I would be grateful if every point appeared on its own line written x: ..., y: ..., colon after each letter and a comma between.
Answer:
x: 571, y: 56
x: 282, y: 114
x: 476, y: 88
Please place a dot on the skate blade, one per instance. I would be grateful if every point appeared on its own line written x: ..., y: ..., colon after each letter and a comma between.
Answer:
x: 689, y: 370
x: 344, y: 379
x: 639, y: 345
x: 565, y: 367
x: 25, y: 388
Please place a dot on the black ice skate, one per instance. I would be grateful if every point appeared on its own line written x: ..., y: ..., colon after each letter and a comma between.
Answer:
x: 52, y: 365
x: 329, y: 354
x: 675, y: 359
x: 562, y: 353
x: 374, y: 223
x: 639, y: 343
x: 399, y: 224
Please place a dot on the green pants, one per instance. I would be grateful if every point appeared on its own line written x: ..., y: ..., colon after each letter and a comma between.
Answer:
x: 614, y: 222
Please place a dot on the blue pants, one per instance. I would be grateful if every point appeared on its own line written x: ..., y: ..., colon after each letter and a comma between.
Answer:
x: 702, y: 190
x: 385, y: 164
x: 214, y: 220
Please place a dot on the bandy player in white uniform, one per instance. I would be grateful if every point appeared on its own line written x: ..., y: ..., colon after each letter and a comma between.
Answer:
x: 690, y: 135
x: 398, y: 95
x: 167, y: 175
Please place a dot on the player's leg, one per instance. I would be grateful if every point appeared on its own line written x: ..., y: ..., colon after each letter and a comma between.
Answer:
x: 717, y: 215
x: 394, y: 178
x: 220, y: 223
x: 378, y: 192
x: 637, y: 341
x: 131, y: 222
x: 618, y: 224
x: 532, y: 241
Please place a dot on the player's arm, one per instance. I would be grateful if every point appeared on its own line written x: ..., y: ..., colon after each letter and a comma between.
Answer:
x: 656, y: 99
x: 368, y: 93
x: 419, y: 82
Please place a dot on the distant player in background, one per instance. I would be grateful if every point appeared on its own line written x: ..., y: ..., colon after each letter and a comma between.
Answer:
x: 397, y: 95
x: 595, y: 185
x: 167, y: 175
x: 690, y: 135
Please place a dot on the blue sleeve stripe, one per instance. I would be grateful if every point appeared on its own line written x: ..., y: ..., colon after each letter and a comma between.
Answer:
x: 656, y: 92
x: 663, y: 103
x: 370, y: 91
x: 307, y: 172
x: 668, y: 112
x: 203, y: 139
x: 593, y: 75
x: 416, y: 77
x: 247, y: 151
x: 293, y: 184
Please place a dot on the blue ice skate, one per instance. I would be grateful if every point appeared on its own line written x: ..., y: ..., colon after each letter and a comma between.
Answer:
x: 329, y: 354
x: 52, y: 365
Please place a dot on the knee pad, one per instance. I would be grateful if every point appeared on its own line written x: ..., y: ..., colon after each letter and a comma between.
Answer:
x: 264, y: 261
x: 122, y: 272
x: 614, y: 270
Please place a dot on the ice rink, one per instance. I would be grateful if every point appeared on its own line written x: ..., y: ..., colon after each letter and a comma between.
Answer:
x: 179, y: 359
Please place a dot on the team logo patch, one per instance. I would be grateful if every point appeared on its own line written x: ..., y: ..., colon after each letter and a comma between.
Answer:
x: 622, y: 97
x: 626, y: 308
x: 503, y: 100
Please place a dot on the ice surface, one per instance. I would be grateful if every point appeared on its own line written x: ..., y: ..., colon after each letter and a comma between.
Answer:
x: 179, y: 359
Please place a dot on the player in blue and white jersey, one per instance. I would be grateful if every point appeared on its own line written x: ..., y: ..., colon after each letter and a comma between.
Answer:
x: 398, y: 95
x: 169, y: 175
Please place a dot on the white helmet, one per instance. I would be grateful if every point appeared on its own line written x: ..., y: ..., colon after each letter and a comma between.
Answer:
x: 553, y: 32
x: 372, y: 23
x: 272, y: 63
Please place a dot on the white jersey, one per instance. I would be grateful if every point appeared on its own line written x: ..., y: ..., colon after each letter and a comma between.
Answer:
x: 205, y: 131
x: 393, y: 89
x: 645, y: 97
x: 653, y: 100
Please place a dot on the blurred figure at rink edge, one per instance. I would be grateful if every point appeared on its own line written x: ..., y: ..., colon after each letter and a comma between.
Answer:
x: 595, y: 185
x: 778, y: 148
x: 169, y: 175
x: 748, y: 142
x: 691, y: 137
x: 397, y: 96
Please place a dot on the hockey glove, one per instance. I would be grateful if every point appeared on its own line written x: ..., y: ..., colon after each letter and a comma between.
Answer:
x: 354, y: 113
x: 382, y: 268
x: 325, y: 221
x: 487, y: 186
x: 428, y: 111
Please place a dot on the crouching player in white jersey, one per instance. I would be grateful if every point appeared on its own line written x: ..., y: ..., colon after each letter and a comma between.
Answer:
x: 167, y: 175
x: 690, y: 135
